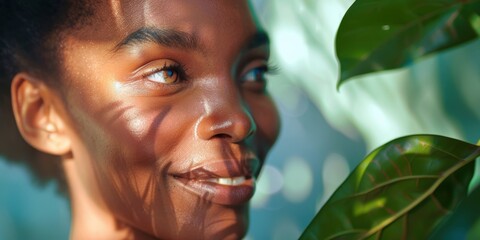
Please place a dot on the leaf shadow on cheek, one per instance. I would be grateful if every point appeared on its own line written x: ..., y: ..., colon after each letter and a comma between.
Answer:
x: 231, y: 228
x: 138, y: 183
x: 189, y: 228
x: 143, y: 203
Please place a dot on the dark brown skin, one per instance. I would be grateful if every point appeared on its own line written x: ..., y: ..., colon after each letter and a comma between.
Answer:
x: 130, y: 127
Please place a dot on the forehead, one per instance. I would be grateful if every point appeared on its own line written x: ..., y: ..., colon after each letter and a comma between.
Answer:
x: 211, y: 19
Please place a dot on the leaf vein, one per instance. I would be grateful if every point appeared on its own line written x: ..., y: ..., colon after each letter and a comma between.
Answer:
x: 427, y: 193
x: 405, y: 178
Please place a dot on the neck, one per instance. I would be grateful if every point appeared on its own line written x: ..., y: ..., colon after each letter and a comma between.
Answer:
x: 91, y: 218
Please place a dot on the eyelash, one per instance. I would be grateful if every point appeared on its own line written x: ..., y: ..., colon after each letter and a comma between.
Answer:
x: 268, y: 69
x: 178, y: 68
x: 272, y: 69
x: 182, y: 76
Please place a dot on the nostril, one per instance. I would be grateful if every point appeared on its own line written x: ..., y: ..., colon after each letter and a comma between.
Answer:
x: 231, y: 127
x: 223, y: 135
x: 235, y: 131
x: 228, y: 119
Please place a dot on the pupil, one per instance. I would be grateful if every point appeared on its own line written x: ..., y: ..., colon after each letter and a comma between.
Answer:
x: 258, y: 74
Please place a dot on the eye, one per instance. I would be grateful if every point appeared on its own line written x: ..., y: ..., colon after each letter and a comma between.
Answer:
x: 160, y: 77
x: 256, y: 75
x: 254, y: 79
x: 168, y: 74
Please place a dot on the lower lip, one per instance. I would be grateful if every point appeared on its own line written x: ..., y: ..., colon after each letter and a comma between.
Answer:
x: 221, y: 194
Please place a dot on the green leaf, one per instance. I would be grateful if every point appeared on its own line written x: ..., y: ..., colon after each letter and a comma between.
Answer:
x: 462, y: 222
x: 401, y: 190
x: 377, y: 35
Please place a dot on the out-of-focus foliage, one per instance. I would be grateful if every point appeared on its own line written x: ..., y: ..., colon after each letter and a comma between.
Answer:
x: 379, y: 35
x: 379, y: 107
x: 439, y: 95
x: 407, y: 181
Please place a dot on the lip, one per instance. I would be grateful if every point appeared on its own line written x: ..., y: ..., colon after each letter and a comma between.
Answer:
x: 203, y: 180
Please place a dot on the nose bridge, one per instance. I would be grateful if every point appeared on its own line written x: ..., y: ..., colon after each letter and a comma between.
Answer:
x: 225, y: 113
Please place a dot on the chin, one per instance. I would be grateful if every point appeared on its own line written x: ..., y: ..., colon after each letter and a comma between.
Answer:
x: 234, y: 226
x: 225, y: 230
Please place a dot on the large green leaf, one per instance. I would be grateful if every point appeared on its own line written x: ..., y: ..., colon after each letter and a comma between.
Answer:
x: 462, y: 223
x: 378, y: 35
x: 402, y: 190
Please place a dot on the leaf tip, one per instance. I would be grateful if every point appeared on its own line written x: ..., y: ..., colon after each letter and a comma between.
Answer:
x: 344, y: 77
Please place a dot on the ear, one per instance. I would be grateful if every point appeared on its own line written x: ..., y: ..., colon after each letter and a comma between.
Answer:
x: 37, y: 115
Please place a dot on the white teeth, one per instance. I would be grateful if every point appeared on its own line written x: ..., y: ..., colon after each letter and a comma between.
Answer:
x: 228, y: 181
x: 225, y: 181
x: 238, y: 180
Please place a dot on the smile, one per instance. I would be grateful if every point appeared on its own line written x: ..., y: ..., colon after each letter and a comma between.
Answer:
x: 221, y: 182
x: 228, y: 181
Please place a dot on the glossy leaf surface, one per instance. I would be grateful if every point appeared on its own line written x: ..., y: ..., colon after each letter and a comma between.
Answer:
x: 402, y: 190
x: 379, y: 35
x: 462, y: 223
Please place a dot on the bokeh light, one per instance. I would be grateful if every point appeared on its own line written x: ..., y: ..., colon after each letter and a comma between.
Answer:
x: 298, y: 179
x: 335, y: 171
x: 270, y: 182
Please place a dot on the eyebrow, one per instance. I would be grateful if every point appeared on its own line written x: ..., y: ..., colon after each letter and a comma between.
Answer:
x: 166, y: 37
x: 178, y: 39
x: 260, y: 38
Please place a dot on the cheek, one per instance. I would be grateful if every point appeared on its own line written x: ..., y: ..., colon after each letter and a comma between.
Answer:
x: 124, y: 154
x: 117, y: 138
x: 126, y: 128
x: 266, y: 117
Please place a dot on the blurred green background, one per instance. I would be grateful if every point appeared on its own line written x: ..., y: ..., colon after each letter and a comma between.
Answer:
x: 325, y: 132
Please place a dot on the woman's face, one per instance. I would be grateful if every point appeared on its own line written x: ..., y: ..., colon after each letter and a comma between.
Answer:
x: 169, y: 120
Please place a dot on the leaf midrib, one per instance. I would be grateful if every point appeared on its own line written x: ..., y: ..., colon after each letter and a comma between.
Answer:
x: 395, y: 180
x: 422, y: 197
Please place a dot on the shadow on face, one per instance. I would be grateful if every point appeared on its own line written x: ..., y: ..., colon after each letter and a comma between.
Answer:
x: 165, y: 107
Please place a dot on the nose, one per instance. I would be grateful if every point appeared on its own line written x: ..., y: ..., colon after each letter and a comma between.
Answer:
x: 226, y: 116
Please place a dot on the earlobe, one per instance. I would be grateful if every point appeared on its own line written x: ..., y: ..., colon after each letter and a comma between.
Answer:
x: 37, y: 116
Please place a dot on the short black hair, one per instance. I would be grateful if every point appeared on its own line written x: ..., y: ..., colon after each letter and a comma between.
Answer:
x: 30, y: 41
x: 29, y: 36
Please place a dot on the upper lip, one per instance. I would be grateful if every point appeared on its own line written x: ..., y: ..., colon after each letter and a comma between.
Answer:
x: 222, y: 169
x: 228, y: 182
